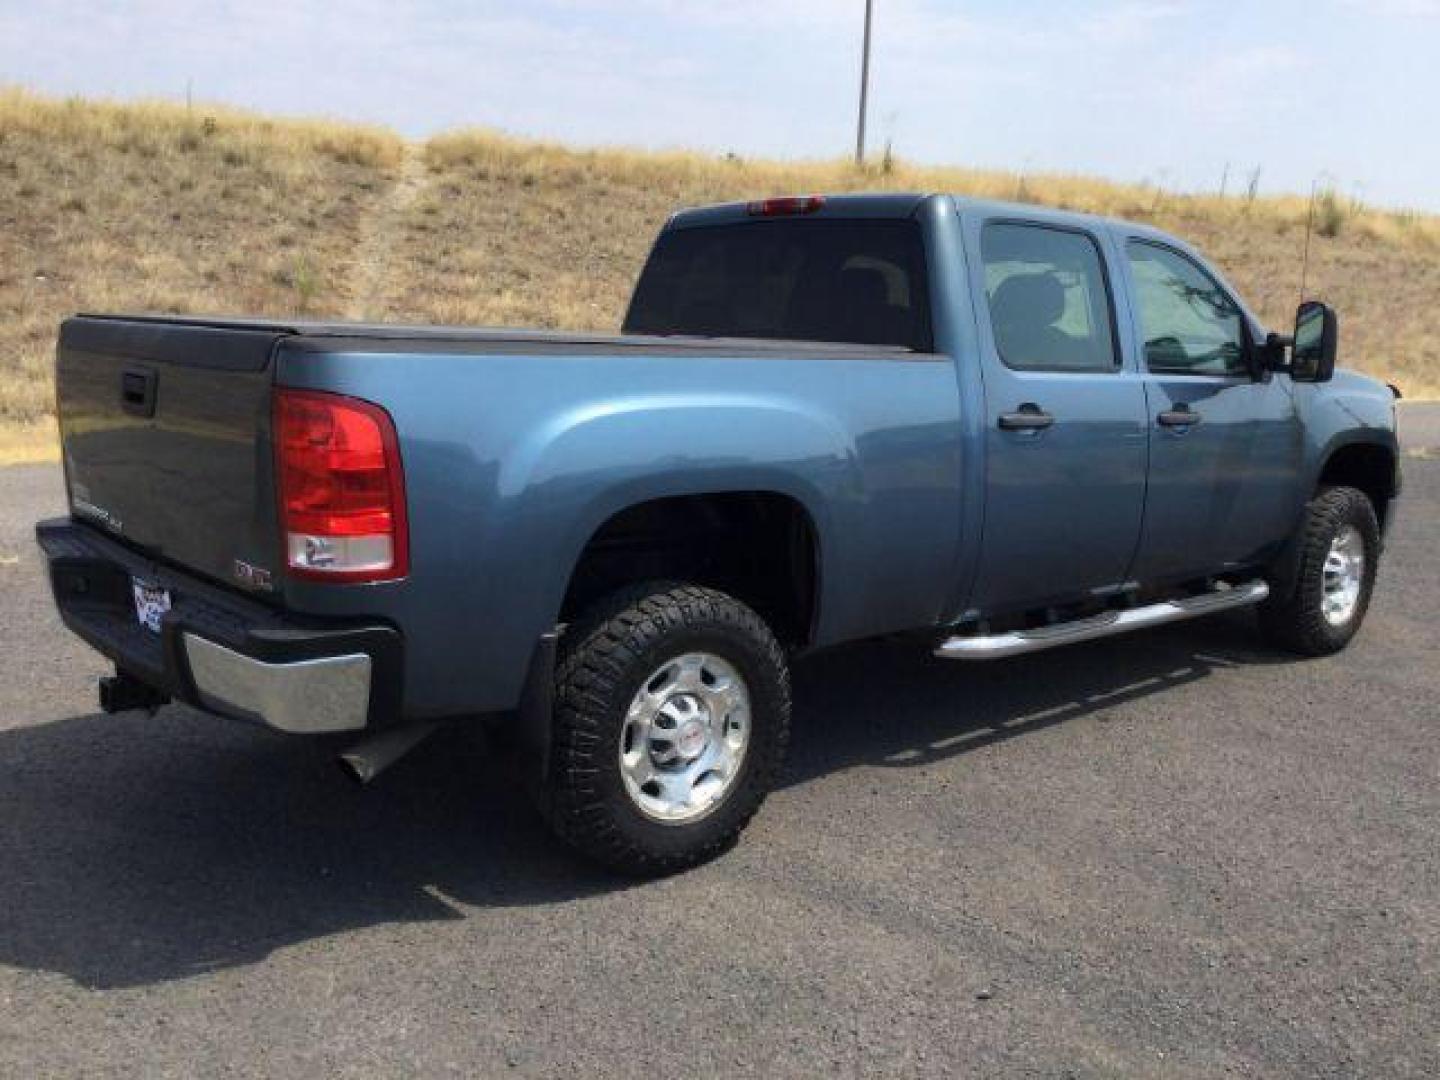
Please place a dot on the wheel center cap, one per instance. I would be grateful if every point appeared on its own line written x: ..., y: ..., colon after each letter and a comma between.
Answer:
x: 691, y: 738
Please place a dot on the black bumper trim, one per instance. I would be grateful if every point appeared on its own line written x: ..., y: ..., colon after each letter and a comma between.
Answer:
x: 90, y: 577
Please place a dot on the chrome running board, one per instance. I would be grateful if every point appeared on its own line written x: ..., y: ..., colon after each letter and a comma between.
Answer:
x: 998, y: 646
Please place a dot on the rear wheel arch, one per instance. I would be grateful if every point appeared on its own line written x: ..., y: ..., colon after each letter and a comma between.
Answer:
x: 761, y: 546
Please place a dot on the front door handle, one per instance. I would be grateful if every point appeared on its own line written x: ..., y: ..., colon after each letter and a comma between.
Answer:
x: 1029, y: 417
x: 1184, y: 416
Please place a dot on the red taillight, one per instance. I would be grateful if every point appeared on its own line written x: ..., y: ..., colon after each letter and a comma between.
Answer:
x: 783, y: 207
x: 342, y: 493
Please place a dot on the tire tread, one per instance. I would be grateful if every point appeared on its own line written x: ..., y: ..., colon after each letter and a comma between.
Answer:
x: 596, y: 653
x: 1297, y: 622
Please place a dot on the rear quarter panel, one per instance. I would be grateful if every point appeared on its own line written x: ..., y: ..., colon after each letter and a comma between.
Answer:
x: 513, y: 461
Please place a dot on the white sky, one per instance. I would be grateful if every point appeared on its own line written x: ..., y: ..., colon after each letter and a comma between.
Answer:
x: 1162, y: 90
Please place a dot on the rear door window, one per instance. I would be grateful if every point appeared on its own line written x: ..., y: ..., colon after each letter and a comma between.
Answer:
x: 1048, y: 297
x: 860, y: 281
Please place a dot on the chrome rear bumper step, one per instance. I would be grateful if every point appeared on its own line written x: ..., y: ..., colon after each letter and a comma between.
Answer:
x: 998, y: 646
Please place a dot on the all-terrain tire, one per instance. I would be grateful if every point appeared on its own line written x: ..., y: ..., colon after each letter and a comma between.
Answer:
x: 1298, y: 621
x: 605, y: 658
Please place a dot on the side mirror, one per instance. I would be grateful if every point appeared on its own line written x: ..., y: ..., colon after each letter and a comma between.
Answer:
x: 1312, y: 357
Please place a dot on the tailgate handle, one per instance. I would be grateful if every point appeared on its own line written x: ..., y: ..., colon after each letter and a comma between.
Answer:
x: 137, y: 391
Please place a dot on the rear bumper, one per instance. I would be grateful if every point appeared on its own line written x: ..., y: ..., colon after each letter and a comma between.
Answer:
x: 219, y: 650
x: 328, y: 693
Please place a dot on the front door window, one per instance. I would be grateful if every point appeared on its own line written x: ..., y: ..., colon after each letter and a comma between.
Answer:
x: 1188, y: 323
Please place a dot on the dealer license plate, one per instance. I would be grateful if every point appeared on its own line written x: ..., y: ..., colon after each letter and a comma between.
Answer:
x: 151, y: 603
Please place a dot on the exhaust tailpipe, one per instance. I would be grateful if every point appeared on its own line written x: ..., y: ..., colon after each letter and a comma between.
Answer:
x: 370, y: 757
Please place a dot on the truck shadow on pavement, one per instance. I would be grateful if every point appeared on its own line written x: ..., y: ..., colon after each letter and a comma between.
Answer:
x: 892, y: 704
x: 138, y: 849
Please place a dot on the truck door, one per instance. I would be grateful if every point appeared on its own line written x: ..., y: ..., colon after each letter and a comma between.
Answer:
x: 1065, y: 418
x: 1225, y: 446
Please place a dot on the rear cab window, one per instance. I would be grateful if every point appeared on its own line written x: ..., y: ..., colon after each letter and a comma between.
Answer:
x: 848, y: 280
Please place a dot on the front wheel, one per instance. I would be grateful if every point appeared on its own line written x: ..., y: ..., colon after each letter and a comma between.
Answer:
x: 1339, y: 554
x: 672, y: 713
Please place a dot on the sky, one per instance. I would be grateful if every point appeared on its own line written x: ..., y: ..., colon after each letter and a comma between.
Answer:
x: 1174, y: 92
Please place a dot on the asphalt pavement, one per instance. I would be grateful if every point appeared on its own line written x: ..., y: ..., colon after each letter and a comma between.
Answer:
x: 1177, y: 853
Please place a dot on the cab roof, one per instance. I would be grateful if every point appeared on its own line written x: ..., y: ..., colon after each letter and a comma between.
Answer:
x: 908, y: 204
x: 905, y: 204
x: 866, y: 205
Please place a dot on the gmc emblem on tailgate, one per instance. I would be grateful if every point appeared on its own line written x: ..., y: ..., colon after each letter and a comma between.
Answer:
x: 252, y: 577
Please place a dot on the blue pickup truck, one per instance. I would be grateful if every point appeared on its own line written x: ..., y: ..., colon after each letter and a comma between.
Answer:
x: 995, y: 428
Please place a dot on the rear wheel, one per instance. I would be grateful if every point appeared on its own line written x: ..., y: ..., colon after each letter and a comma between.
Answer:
x: 1339, y: 554
x: 672, y: 713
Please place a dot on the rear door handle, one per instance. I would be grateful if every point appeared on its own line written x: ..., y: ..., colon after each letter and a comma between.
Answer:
x: 1182, y: 417
x: 1029, y: 417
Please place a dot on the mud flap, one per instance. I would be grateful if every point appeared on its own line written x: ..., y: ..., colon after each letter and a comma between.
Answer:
x: 533, y: 721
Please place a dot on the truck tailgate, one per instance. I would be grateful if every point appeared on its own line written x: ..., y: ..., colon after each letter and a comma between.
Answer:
x: 165, y: 432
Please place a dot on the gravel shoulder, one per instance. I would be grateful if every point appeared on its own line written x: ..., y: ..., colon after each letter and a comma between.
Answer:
x: 1419, y: 423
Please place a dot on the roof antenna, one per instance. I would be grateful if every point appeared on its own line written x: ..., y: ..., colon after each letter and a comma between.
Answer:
x: 1309, y: 228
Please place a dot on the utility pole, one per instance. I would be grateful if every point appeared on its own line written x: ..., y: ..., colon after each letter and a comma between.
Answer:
x: 864, y: 87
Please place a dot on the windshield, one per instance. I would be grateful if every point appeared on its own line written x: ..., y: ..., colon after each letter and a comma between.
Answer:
x: 846, y: 280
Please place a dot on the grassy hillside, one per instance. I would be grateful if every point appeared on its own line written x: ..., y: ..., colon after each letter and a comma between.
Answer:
x: 159, y: 208
x: 148, y: 207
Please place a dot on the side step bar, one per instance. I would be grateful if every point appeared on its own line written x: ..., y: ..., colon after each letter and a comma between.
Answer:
x: 998, y: 646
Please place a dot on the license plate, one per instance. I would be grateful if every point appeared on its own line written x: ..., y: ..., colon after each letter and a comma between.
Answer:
x: 151, y: 603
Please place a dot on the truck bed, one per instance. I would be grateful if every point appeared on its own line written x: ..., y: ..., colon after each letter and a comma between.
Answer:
x: 501, y: 339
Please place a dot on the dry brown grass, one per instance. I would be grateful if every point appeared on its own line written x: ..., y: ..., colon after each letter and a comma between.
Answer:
x: 154, y: 207
x: 531, y: 233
